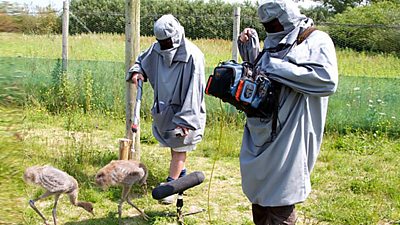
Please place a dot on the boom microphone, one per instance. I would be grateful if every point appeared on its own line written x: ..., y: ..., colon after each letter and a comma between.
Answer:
x: 178, y: 185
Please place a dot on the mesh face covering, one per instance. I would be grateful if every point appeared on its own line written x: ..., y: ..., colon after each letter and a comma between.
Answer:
x: 167, y: 30
x: 273, y: 26
x: 166, y: 44
x: 286, y: 12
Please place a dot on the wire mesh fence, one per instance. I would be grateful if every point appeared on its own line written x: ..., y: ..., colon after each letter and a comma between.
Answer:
x: 367, y: 98
x: 367, y: 103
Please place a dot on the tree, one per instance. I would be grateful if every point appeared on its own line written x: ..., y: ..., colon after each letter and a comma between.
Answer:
x: 339, y: 6
x: 319, y: 13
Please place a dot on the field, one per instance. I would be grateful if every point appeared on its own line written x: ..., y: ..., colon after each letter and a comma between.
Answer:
x: 355, y: 181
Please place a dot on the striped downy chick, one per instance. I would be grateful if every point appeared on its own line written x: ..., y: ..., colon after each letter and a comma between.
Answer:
x: 123, y: 173
x: 55, y: 182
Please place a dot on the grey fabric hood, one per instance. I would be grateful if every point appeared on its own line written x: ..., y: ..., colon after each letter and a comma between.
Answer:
x: 286, y: 12
x: 168, y: 26
x: 165, y: 27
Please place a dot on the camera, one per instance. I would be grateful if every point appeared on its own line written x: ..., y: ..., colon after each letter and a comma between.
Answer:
x: 242, y: 86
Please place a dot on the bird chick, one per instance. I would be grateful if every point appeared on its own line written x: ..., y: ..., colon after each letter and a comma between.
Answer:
x: 55, y: 182
x: 123, y: 173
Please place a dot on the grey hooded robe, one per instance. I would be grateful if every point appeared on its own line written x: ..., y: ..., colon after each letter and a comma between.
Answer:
x: 278, y: 173
x: 178, y: 91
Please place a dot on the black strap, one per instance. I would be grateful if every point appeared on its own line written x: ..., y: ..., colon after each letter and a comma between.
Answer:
x: 259, y: 57
x: 277, y: 86
x: 277, y: 92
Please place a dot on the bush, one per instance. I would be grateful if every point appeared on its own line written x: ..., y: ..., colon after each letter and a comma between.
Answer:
x: 200, y: 19
x: 14, y: 18
x: 7, y: 23
x: 373, y: 28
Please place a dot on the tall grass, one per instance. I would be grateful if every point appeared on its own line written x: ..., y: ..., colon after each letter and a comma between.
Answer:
x: 367, y: 97
x: 110, y: 47
x: 73, y: 121
x: 366, y: 103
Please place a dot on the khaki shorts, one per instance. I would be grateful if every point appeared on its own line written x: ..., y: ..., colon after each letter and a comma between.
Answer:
x: 187, y: 148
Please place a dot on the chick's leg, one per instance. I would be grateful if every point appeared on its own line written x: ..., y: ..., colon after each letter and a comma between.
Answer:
x: 146, y: 217
x: 32, y: 204
x: 54, y: 212
x: 124, y: 195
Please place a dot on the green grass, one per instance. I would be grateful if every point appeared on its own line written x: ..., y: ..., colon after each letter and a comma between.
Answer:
x: 354, y: 182
x: 98, y: 86
x: 110, y: 47
x: 367, y: 96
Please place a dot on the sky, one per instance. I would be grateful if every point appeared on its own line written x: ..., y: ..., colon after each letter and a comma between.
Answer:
x: 56, y: 4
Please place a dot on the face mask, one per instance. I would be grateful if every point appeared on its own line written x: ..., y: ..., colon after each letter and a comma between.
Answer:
x: 273, y: 26
x: 168, y: 55
x: 166, y: 44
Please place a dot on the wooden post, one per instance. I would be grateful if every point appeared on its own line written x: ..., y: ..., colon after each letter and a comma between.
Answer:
x: 65, y: 33
x: 236, y: 32
x: 124, y: 148
x: 132, y: 49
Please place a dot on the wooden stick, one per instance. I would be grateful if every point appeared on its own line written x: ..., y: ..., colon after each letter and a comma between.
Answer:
x: 124, y: 148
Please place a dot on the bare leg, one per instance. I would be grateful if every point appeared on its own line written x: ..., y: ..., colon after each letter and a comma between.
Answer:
x: 146, y: 217
x: 55, y: 208
x: 32, y: 204
x: 177, y: 164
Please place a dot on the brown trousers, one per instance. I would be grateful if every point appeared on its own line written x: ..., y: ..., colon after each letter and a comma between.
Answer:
x: 274, y: 215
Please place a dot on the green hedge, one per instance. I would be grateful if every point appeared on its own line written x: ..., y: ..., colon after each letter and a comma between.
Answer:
x: 201, y: 20
x: 373, y: 28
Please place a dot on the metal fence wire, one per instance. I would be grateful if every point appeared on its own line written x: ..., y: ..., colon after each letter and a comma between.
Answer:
x: 360, y: 37
x: 368, y: 96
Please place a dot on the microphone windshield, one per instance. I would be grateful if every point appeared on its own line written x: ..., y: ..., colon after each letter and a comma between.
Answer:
x: 178, y: 185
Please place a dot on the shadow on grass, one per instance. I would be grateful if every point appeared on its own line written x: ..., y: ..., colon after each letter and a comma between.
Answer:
x: 112, y: 218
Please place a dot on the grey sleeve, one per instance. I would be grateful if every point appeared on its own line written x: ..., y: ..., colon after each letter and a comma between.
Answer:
x: 191, y: 114
x: 137, y: 66
x: 311, y: 72
x: 249, y: 50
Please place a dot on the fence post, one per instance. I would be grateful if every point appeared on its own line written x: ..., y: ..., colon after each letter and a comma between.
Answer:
x: 132, y: 49
x: 236, y: 32
x: 65, y: 33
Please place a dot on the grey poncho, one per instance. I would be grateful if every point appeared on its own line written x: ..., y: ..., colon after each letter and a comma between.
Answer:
x: 177, y: 78
x: 278, y: 173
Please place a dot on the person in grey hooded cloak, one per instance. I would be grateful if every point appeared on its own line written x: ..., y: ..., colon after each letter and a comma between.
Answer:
x: 275, y: 166
x: 174, y: 66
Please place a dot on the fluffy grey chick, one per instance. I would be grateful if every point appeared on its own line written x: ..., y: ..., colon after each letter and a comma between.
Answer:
x: 123, y: 173
x: 55, y: 182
